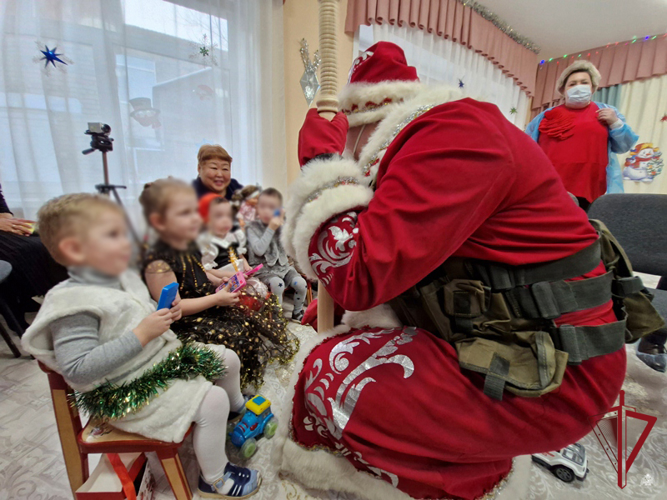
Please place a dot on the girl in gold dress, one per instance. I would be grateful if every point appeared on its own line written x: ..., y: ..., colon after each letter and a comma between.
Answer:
x: 248, y: 322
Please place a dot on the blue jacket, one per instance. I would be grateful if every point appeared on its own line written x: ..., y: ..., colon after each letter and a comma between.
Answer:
x: 620, y: 141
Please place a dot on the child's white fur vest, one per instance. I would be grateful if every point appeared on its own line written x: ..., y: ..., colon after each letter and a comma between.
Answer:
x: 169, y: 415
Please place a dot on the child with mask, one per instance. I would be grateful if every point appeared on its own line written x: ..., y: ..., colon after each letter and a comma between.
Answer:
x: 264, y: 247
x: 100, y: 330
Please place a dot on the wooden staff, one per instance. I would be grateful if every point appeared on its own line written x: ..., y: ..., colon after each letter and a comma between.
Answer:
x: 327, y: 106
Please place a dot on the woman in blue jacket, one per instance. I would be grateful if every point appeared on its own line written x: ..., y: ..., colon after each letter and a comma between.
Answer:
x: 581, y: 137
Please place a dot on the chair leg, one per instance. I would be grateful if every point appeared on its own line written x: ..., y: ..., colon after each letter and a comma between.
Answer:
x: 76, y: 462
x: 9, y: 341
x: 11, y: 320
x: 309, y: 294
x: 173, y: 469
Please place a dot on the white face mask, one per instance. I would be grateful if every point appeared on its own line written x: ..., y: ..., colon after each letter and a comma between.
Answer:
x: 578, y: 96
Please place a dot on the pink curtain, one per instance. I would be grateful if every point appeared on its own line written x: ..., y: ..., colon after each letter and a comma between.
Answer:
x: 621, y: 62
x: 450, y: 19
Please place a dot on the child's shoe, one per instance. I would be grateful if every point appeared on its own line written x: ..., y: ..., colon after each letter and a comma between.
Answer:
x: 297, y: 317
x: 238, y: 482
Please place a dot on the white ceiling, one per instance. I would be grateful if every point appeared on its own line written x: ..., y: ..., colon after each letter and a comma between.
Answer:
x: 564, y: 26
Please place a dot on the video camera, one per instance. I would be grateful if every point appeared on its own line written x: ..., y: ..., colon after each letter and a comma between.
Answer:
x: 100, y: 138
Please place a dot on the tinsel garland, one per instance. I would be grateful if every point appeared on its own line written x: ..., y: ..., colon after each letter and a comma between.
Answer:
x: 501, y: 25
x: 110, y: 401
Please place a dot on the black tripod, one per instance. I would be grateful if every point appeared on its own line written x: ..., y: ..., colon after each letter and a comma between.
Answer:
x: 102, y: 142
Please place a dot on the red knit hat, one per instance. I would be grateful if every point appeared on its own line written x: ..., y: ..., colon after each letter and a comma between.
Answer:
x: 379, y: 79
x: 205, y: 204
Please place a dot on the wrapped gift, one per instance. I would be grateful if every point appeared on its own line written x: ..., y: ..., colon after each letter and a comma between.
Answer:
x: 119, y: 476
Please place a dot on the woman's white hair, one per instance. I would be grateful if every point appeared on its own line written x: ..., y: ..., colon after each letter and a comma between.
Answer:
x: 576, y: 67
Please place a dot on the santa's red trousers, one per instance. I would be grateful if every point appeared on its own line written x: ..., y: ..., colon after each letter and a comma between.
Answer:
x: 419, y: 421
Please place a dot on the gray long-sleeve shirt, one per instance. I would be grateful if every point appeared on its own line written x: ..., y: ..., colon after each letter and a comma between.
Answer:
x: 264, y: 246
x: 260, y: 245
x: 79, y: 354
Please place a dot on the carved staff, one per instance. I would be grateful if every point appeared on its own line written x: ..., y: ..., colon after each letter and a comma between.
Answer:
x: 327, y: 106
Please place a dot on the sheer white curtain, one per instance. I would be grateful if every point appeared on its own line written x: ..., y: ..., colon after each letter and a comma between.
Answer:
x: 442, y: 61
x: 138, y: 66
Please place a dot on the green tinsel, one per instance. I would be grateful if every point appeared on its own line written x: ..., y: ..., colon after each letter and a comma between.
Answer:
x: 110, y: 401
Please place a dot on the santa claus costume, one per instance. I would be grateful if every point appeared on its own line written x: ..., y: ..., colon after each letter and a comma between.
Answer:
x: 384, y: 410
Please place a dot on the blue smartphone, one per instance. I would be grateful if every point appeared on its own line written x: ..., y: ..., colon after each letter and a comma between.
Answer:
x: 167, y: 296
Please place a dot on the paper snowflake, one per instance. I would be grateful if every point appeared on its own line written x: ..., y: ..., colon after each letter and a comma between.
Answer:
x: 513, y: 111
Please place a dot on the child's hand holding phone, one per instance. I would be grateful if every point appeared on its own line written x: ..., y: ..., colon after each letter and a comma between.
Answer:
x: 169, y: 299
x: 278, y: 219
x: 225, y: 297
x: 154, y: 325
x: 176, y: 312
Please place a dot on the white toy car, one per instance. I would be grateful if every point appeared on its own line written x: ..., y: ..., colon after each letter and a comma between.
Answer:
x: 566, y: 464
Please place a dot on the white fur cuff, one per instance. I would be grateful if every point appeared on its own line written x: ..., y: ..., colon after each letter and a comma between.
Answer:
x: 325, y: 189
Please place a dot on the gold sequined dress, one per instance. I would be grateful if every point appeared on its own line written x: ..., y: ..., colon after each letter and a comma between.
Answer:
x: 255, y: 329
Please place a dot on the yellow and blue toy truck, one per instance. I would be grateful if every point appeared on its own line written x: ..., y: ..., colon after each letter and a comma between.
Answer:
x: 258, y: 420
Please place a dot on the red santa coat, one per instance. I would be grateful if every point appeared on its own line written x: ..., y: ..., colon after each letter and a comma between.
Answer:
x: 455, y: 179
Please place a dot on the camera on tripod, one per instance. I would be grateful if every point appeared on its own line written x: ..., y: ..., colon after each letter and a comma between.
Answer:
x: 102, y: 142
x: 100, y: 138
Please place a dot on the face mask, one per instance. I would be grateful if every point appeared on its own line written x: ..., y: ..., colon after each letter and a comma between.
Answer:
x: 578, y: 96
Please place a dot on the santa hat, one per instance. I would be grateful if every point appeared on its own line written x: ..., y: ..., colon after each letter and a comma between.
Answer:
x: 379, y: 80
x: 205, y: 204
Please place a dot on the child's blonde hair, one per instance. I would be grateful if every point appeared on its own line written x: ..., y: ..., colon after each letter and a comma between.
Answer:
x: 68, y: 215
x: 156, y: 195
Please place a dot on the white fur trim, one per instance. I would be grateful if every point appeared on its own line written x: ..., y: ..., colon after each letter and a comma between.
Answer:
x: 382, y: 316
x: 308, y: 217
x: 386, y: 129
x: 318, y: 468
x: 361, y: 94
x: 322, y: 470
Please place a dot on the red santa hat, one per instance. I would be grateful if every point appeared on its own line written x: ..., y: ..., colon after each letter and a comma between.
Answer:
x: 379, y: 80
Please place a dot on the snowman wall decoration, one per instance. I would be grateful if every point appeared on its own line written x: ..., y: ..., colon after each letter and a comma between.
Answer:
x: 643, y: 164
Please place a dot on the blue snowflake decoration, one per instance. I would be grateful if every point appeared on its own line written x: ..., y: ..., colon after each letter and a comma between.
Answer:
x: 50, y: 56
x: 461, y: 84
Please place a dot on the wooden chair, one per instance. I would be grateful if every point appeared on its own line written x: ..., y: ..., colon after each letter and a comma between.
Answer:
x: 78, y: 442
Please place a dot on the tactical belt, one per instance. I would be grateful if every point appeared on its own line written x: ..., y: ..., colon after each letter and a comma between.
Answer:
x: 502, y: 277
x: 533, y: 292
x: 540, y: 291
x: 585, y: 342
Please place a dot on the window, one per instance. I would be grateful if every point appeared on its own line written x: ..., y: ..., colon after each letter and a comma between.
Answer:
x: 160, y: 73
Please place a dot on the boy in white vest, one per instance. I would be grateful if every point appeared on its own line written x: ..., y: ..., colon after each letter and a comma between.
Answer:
x: 100, y: 330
